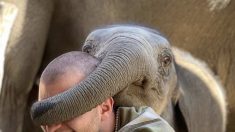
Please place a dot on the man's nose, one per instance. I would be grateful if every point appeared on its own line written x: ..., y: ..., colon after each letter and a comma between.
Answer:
x: 51, y: 128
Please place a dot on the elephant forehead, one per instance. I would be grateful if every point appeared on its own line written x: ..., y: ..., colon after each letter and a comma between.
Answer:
x: 111, y: 30
x: 103, y: 34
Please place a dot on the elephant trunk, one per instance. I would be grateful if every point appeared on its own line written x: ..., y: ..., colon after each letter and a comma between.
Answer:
x: 123, y: 64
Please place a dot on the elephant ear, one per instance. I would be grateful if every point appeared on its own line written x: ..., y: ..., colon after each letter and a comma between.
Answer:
x: 202, y: 101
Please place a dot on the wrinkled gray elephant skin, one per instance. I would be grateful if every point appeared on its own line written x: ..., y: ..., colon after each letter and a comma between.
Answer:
x: 138, y: 68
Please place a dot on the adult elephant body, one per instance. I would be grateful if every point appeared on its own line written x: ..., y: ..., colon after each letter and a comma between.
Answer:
x: 137, y: 68
x: 50, y: 28
x: 22, y: 57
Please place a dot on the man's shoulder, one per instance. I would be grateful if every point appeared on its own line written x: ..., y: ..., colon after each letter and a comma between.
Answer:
x: 142, y: 119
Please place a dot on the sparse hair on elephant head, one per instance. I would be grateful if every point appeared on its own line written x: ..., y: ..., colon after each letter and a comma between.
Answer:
x: 137, y: 68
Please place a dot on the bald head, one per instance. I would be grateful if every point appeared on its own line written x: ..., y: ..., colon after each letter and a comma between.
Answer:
x: 64, y: 72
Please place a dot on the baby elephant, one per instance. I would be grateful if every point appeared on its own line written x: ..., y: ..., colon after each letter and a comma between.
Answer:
x: 138, y: 67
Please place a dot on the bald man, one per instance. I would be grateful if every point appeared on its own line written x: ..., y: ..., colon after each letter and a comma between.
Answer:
x: 71, y: 68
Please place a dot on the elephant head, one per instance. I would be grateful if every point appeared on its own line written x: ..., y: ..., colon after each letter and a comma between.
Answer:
x: 137, y: 68
x: 142, y: 62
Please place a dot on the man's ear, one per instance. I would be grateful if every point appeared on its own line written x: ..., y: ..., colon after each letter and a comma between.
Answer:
x: 107, y: 107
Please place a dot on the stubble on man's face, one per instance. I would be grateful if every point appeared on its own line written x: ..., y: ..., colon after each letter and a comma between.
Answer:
x: 88, y: 122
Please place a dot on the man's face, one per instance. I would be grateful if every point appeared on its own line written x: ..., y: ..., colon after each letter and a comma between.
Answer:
x: 88, y: 122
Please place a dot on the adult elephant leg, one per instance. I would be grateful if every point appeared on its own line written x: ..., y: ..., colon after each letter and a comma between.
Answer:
x: 22, y: 60
x: 8, y: 14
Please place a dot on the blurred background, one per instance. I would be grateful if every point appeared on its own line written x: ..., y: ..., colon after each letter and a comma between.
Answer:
x: 33, y: 32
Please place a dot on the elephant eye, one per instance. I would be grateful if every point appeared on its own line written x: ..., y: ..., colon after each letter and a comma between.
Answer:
x: 87, y: 48
x: 166, y: 60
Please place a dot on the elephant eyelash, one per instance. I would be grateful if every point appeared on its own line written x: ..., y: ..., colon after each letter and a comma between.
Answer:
x: 87, y: 48
x: 165, y: 58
